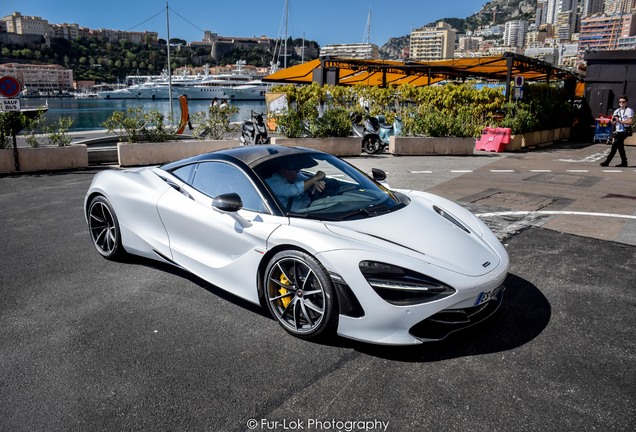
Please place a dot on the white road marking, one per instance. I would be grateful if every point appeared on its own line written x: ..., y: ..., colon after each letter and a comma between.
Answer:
x: 502, y: 171
x: 557, y: 213
x: 578, y: 171
x: 421, y: 172
x: 462, y: 171
x: 541, y: 171
x: 591, y: 158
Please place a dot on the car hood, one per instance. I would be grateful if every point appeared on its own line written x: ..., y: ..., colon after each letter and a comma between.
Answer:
x: 418, y: 230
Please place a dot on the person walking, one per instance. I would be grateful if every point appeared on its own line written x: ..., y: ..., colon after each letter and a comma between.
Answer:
x: 622, y: 119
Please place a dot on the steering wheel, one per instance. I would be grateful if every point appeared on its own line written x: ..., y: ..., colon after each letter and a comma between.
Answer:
x: 346, y: 188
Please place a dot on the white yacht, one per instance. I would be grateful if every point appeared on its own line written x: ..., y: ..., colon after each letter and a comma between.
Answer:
x: 253, y: 90
x: 201, y: 86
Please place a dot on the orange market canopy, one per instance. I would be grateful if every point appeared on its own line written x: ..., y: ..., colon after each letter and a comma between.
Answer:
x: 349, y: 71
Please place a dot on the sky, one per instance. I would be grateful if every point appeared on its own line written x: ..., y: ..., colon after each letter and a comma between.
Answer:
x: 324, y: 21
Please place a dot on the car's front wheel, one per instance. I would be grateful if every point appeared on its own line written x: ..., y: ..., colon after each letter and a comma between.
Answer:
x: 104, y: 229
x: 300, y: 295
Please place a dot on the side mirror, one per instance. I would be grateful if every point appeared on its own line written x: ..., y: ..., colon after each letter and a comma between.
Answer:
x: 230, y: 202
x: 378, y: 174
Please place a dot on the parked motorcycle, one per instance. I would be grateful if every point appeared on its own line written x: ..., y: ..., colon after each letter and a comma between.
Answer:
x: 254, y: 130
x: 368, y: 131
x: 388, y: 130
x: 375, y: 131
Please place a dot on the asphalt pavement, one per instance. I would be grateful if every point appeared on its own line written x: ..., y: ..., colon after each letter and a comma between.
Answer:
x: 93, y: 345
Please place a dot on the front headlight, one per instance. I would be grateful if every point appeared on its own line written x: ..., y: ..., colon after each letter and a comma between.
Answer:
x: 403, y: 287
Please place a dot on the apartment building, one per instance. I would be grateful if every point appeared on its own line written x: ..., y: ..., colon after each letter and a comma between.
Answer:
x: 603, y: 32
x: 40, y: 78
x: 433, y: 43
x: 357, y: 50
x: 31, y: 25
x: 515, y: 33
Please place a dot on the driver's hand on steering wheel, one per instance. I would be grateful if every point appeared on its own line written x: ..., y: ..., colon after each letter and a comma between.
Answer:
x: 319, y: 186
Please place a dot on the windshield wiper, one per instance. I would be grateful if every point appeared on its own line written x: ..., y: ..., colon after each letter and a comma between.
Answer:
x: 295, y: 214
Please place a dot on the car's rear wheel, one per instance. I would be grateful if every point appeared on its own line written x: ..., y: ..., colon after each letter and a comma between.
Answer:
x: 104, y: 228
x: 300, y: 295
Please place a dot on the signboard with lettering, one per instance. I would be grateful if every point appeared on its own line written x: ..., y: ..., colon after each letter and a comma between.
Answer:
x: 9, y: 104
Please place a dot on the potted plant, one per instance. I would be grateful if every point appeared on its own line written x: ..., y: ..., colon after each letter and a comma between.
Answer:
x: 53, y: 154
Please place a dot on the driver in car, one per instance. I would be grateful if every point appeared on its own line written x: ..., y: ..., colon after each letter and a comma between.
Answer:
x: 293, y: 188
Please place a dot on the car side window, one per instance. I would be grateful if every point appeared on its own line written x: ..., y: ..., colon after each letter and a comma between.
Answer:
x: 218, y: 178
x: 184, y: 173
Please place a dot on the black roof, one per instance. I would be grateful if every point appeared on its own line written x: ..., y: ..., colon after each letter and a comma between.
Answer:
x: 249, y: 155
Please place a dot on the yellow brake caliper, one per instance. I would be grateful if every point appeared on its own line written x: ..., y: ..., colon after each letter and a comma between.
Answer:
x: 283, y: 291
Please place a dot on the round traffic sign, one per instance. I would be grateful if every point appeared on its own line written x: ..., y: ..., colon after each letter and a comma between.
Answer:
x: 9, y: 86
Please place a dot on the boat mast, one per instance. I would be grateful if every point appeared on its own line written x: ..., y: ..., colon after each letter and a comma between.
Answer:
x: 302, y: 56
x: 367, y: 34
x: 286, y: 18
x: 169, y: 68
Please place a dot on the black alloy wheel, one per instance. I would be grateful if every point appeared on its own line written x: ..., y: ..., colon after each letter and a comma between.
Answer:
x: 300, y: 295
x: 104, y: 229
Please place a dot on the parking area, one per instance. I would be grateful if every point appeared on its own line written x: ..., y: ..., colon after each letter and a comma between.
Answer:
x: 93, y: 345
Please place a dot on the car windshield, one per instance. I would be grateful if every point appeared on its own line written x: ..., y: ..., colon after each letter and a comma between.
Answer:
x: 345, y: 193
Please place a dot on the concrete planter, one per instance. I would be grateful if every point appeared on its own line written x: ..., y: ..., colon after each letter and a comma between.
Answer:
x: 345, y: 146
x: 45, y: 158
x: 399, y: 145
x: 538, y: 138
x: 139, y: 154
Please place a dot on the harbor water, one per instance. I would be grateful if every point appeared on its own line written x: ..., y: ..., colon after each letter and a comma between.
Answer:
x: 90, y: 113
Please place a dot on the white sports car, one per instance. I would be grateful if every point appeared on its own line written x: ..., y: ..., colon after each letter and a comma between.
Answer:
x: 347, y: 255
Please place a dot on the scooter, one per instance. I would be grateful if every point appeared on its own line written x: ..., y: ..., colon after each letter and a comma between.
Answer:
x: 388, y: 130
x: 254, y: 131
x: 368, y: 131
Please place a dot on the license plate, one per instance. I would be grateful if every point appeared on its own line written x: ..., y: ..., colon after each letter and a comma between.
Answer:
x: 485, y: 296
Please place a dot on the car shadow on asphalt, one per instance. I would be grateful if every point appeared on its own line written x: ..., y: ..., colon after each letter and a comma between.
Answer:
x: 212, y: 289
x: 523, y: 315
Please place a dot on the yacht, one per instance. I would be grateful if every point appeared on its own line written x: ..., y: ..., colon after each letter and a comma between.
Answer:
x: 200, y: 86
x: 252, y: 90
x: 213, y: 86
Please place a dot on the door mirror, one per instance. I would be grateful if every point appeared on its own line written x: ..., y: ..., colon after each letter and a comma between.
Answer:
x: 378, y: 174
x: 230, y: 202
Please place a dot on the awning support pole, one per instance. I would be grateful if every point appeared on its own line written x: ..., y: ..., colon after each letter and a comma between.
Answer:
x: 509, y: 61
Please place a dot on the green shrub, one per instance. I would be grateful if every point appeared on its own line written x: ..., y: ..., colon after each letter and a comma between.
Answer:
x: 439, y: 110
x: 292, y: 124
x: 32, y: 128
x: 215, y: 124
x: 134, y: 125
x: 11, y: 122
x: 519, y: 118
x: 58, y: 133
x: 334, y: 122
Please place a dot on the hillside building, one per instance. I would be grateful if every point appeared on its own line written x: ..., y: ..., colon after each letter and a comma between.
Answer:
x: 515, y: 33
x: 357, y: 50
x: 26, y: 25
x: 603, y: 33
x: 35, y: 26
x: 433, y: 43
